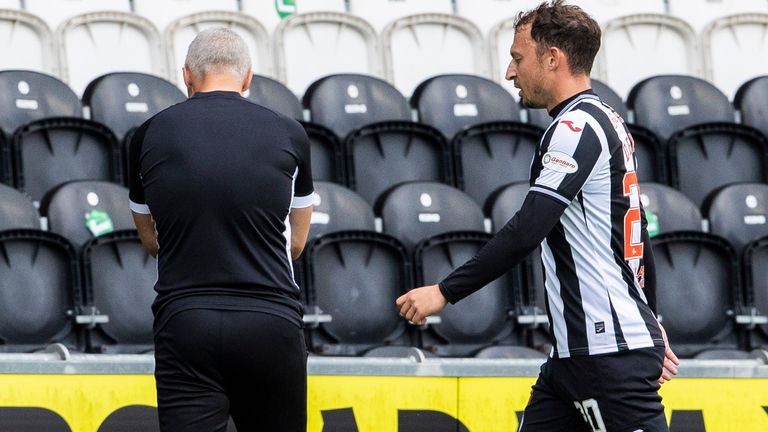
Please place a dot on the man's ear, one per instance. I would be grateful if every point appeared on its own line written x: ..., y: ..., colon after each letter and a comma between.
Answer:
x: 555, y: 58
x: 188, y: 80
x: 247, y: 81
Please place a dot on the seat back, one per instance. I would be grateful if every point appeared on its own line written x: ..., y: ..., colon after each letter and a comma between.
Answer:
x: 328, y: 156
x: 271, y: 13
x: 415, y: 211
x: 708, y: 11
x: 668, y: 210
x: 755, y: 265
x: 125, y: 100
x: 331, y: 42
x: 276, y: 96
x: 650, y: 156
x: 420, y: 46
x: 699, y: 276
x: 669, y: 103
x: 491, y: 155
x: 483, y: 318
x: 451, y: 103
x: 610, y: 97
x: 164, y: 12
x: 339, y: 209
x: 382, y: 12
x: 383, y: 155
x: 40, y: 284
x: 81, y: 210
x: 17, y: 210
x: 355, y: 277
x: 750, y: 101
x: 26, y: 96
x: 53, y: 151
x: 739, y: 213
x: 736, y: 153
x: 54, y: 12
x: 346, y: 102
x: 119, y: 280
x: 27, y: 43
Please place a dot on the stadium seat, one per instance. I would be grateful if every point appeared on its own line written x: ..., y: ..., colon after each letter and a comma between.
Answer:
x: 125, y: 100
x: 666, y: 104
x: 697, y: 276
x: 345, y: 102
x: 108, y: 36
x: 181, y: 32
x: 328, y: 159
x: 354, y: 277
x: 27, y: 43
x: 738, y: 213
x: 531, y: 313
x: 276, y: 96
x: 82, y: 210
x: 270, y: 13
x: 755, y: 266
x: 420, y: 46
x: 451, y: 103
x: 736, y: 153
x: 670, y: 42
x: 486, y: 14
x: 27, y: 95
x: 650, y: 156
x: 119, y: 280
x: 39, y: 288
x: 312, y: 45
x: 750, y: 101
x: 382, y: 12
x: 164, y: 12
x: 491, y: 155
x: 337, y: 208
x: 17, y: 210
x: 668, y: 210
x: 54, y: 12
x: 416, y: 211
x: 482, y: 319
x: 382, y: 155
x: 52, y: 151
x: 708, y: 11
x: 730, y: 44
x: 510, y: 352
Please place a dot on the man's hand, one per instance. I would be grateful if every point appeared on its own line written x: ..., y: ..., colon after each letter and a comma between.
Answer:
x: 670, y: 360
x: 419, y: 303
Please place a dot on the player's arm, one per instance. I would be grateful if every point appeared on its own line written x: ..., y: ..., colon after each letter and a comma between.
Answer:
x: 142, y: 217
x: 301, y: 207
x: 299, y: 219
x: 512, y: 244
x: 147, y: 233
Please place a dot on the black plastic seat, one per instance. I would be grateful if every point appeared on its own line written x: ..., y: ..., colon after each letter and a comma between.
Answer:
x: 666, y: 104
x: 6, y: 164
x: 17, y: 210
x: 81, y: 210
x: 750, y: 100
x: 119, y: 278
x: 482, y: 319
x: 451, y: 103
x: 491, y: 155
x: 697, y: 276
x: 125, y: 100
x: 708, y: 156
x: 339, y: 209
x: 354, y: 277
x: 52, y: 151
x: 415, y: 211
x: 345, y: 102
x: 328, y: 158
x: 39, y: 291
x: 28, y: 96
x: 739, y: 213
x: 668, y: 210
x: 275, y: 96
x: 650, y: 156
x: 755, y: 264
x: 382, y: 155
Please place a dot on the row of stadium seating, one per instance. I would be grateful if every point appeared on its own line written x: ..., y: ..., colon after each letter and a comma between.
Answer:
x: 470, y: 131
x: 408, y: 50
x: 86, y: 281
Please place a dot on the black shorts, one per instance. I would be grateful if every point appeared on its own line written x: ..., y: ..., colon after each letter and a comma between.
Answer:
x: 210, y: 364
x: 615, y: 392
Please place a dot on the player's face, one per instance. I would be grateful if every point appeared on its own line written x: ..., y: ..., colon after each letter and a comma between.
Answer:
x: 526, y: 71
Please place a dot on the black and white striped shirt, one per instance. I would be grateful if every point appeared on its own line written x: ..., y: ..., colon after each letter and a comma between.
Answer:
x: 583, y: 208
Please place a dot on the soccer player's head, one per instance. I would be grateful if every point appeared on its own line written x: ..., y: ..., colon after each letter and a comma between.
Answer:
x: 219, y: 54
x: 552, y: 41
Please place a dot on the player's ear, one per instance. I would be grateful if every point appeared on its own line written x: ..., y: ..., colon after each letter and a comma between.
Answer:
x: 247, y: 81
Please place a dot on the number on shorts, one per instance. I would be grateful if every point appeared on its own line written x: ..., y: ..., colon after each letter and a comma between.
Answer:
x: 591, y: 413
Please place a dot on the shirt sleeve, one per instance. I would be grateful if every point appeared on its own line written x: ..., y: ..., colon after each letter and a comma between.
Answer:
x: 303, y: 189
x: 569, y: 158
x: 137, y: 203
x: 512, y: 244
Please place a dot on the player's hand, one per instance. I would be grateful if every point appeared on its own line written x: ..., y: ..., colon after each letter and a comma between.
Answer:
x: 670, y: 360
x: 419, y: 303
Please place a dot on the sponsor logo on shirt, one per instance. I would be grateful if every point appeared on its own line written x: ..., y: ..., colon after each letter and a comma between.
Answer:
x: 570, y: 125
x: 560, y: 162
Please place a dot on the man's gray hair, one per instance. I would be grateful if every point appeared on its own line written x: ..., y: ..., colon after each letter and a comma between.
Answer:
x: 218, y: 50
